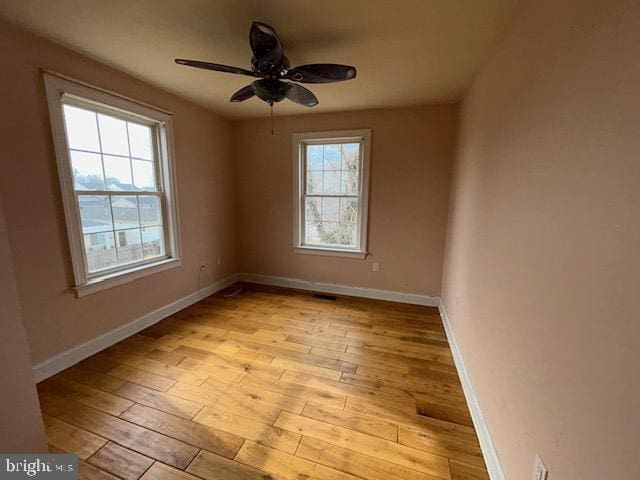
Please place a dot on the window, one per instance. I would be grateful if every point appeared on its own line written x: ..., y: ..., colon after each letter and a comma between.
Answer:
x: 331, y: 174
x: 115, y: 165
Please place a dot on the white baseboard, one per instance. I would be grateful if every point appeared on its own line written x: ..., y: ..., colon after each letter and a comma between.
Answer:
x: 494, y: 467
x: 337, y: 289
x: 78, y: 353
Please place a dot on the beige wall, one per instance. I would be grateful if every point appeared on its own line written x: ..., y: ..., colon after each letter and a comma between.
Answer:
x: 543, y: 256
x: 412, y: 153
x: 20, y: 420
x: 411, y: 157
x: 54, y: 319
x: 541, y: 269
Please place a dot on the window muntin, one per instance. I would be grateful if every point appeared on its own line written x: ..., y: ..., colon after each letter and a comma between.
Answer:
x: 117, y: 177
x: 331, y: 178
x: 331, y: 198
x: 117, y: 187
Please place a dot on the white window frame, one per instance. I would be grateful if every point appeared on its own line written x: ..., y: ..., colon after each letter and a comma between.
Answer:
x: 62, y: 90
x: 300, y: 140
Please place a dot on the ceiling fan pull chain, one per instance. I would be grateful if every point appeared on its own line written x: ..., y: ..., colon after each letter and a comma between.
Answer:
x: 271, y: 107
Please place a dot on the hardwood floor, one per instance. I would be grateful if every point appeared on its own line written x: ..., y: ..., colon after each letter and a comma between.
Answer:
x: 270, y: 384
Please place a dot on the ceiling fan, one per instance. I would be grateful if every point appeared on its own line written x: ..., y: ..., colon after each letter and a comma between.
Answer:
x: 271, y: 66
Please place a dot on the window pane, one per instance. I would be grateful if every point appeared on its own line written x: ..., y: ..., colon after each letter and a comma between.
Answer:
x: 95, y: 213
x: 348, y: 210
x: 100, y: 251
x: 144, y: 177
x: 152, y: 242
x: 332, y: 159
x: 150, y: 210
x: 329, y: 233
x: 350, y: 156
x: 129, y: 246
x: 331, y: 182
x: 125, y: 212
x: 312, y: 232
x: 313, y: 208
x: 118, y: 173
x: 347, y: 236
x: 349, y: 182
x: 330, y: 209
x: 82, y: 130
x: 314, y: 157
x: 87, y: 170
x: 140, y: 141
x: 314, y: 182
x: 113, y: 135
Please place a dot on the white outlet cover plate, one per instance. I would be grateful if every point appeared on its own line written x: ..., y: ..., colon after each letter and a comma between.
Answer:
x: 539, y: 469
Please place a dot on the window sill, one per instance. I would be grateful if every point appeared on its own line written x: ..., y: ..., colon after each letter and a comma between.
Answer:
x: 120, y: 278
x: 331, y: 252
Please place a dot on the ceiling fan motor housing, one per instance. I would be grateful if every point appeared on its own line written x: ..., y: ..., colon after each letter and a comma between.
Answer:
x: 266, y: 68
x: 270, y: 90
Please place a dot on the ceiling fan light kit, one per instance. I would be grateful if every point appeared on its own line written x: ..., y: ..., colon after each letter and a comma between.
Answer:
x: 271, y: 66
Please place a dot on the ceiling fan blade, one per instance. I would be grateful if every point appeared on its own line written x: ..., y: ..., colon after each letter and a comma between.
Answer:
x: 321, y: 73
x: 215, y: 66
x: 299, y: 94
x: 243, y: 94
x: 265, y: 44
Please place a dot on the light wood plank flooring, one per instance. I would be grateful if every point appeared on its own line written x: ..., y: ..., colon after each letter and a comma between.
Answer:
x: 270, y: 384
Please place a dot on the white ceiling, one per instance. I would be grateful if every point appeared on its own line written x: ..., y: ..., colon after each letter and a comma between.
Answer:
x: 407, y: 52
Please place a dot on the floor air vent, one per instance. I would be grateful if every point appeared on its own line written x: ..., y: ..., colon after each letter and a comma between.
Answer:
x: 324, y: 296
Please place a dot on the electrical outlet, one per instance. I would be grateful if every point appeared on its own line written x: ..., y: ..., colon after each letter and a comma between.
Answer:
x: 218, y: 260
x: 375, y: 267
x: 539, y: 470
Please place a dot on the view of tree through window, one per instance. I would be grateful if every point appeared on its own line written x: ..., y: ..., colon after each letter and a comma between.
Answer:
x: 332, y: 183
x: 116, y: 188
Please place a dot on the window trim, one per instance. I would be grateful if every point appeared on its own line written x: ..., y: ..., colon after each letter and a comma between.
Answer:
x: 61, y: 90
x: 363, y: 136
